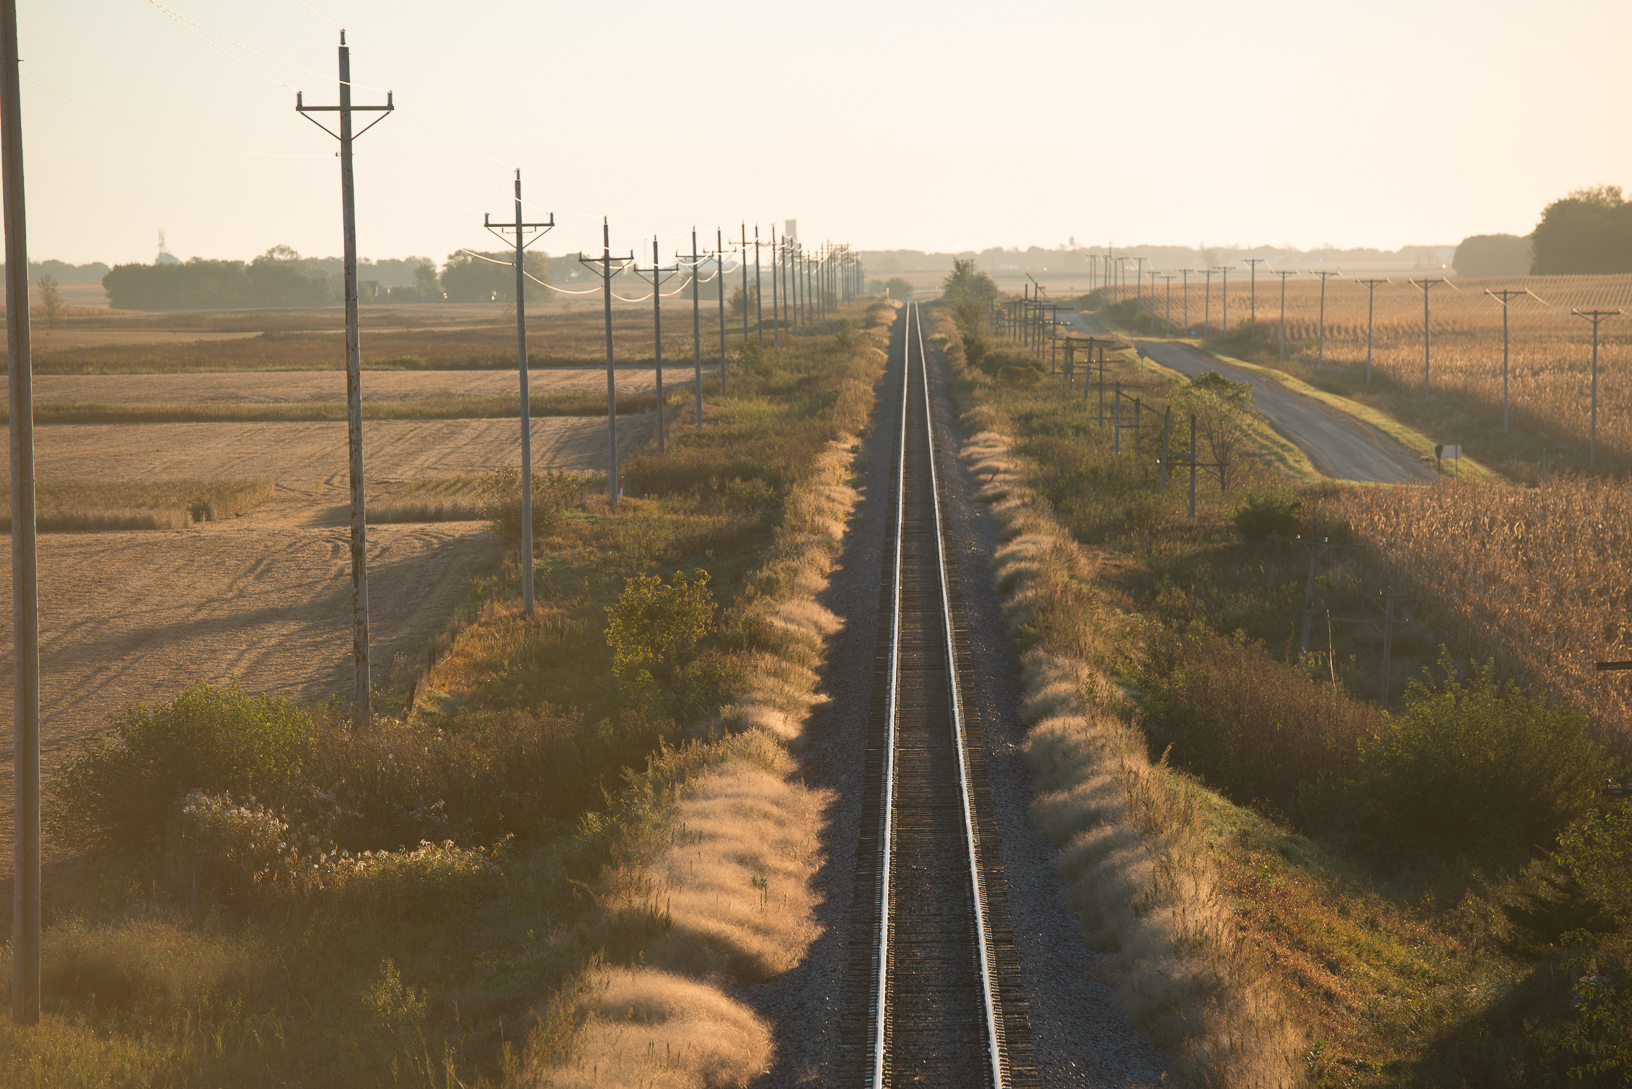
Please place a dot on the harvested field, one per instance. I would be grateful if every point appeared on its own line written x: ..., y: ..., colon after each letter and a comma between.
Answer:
x: 281, y: 387
x: 136, y: 617
x: 307, y: 461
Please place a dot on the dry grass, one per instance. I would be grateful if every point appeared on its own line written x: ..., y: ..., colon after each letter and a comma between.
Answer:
x: 1134, y: 852
x: 1535, y: 578
x: 563, y: 403
x: 730, y: 878
x: 137, y: 504
x: 436, y: 499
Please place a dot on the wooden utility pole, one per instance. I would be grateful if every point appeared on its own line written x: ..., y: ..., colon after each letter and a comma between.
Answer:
x: 1283, y: 274
x: 696, y: 260
x: 525, y: 235
x: 759, y: 304
x: 1371, y: 313
x: 603, y: 268
x: 658, y: 273
x: 1596, y: 317
x: 1185, y: 274
x: 1320, y: 355
x: 25, y: 604
x: 776, y: 275
x: 361, y: 690
x: 744, y: 251
x: 1426, y: 285
x: 719, y: 274
x: 1224, y: 303
x: 1207, y: 305
x: 1255, y: 262
x: 1504, y: 296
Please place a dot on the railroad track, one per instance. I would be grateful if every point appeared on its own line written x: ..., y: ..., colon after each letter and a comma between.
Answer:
x: 933, y: 989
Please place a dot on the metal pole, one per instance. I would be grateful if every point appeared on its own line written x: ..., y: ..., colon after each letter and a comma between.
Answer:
x: 361, y: 689
x: 759, y: 304
x: 1167, y: 426
x: 1192, y: 466
x: 696, y: 327
x: 526, y: 421
x: 611, y: 382
x: 719, y: 267
x: 1388, y: 644
x: 25, y: 616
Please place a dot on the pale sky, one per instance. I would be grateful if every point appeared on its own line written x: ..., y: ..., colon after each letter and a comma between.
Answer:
x: 907, y: 124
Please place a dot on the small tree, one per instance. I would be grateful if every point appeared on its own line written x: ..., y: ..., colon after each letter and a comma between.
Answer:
x: 426, y: 281
x: 1224, y: 412
x: 654, y: 628
x: 741, y: 300
x: 51, y: 300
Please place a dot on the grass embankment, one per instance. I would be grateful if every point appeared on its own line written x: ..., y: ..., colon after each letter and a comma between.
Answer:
x: 136, y: 504
x: 603, y: 851
x: 1297, y: 887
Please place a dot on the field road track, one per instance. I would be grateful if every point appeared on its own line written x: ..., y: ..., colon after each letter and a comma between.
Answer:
x: 933, y: 996
x: 1336, y: 443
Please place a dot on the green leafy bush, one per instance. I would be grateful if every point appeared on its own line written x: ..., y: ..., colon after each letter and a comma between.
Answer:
x: 239, y: 847
x: 994, y: 362
x: 120, y: 789
x: 1277, y: 514
x: 554, y: 493
x: 1479, y: 762
x: 1019, y: 377
x: 1594, y: 853
x: 653, y: 627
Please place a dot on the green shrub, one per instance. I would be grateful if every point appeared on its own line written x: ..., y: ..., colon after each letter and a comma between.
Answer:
x: 1480, y: 762
x: 995, y: 360
x: 120, y: 789
x: 236, y: 847
x: 1272, y: 514
x: 1256, y: 729
x: 554, y: 493
x: 1019, y: 377
x: 654, y: 628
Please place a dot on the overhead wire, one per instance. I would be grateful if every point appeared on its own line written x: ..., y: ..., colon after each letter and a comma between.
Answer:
x: 174, y: 135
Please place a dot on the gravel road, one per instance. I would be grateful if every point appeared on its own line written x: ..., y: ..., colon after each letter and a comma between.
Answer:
x: 1337, y: 444
x: 1080, y: 1038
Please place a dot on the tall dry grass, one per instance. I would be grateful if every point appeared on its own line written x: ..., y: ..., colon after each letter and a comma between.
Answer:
x: 96, y: 505
x: 1133, y: 851
x: 729, y: 876
x: 1535, y: 578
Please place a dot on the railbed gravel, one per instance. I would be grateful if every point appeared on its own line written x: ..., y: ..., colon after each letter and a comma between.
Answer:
x: 1080, y: 1037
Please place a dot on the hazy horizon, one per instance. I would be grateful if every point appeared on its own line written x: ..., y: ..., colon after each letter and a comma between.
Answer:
x: 913, y: 127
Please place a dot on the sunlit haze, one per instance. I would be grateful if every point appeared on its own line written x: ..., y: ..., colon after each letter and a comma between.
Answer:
x: 931, y: 126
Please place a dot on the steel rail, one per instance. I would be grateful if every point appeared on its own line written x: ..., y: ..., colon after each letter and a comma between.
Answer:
x: 966, y: 807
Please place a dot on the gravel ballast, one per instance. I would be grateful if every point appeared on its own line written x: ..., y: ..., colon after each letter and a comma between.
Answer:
x: 1080, y: 1038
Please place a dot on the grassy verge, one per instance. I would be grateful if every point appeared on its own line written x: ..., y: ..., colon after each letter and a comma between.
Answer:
x: 487, y: 888
x: 138, y: 504
x: 1296, y: 887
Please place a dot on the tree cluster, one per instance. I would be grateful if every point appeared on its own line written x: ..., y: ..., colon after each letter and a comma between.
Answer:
x: 491, y: 277
x: 1590, y: 230
x: 279, y: 277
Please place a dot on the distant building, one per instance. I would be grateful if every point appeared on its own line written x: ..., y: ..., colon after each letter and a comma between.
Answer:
x: 790, y: 229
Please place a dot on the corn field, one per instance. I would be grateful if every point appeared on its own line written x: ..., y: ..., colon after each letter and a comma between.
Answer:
x: 1540, y: 579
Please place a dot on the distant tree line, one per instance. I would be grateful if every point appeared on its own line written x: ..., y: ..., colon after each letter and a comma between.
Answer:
x: 64, y: 273
x: 1590, y: 230
x: 279, y: 277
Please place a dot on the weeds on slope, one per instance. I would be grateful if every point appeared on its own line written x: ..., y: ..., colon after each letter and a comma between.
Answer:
x: 445, y: 897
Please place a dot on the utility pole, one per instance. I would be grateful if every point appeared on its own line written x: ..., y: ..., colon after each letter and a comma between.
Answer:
x: 744, y: 251
x: 361, y: 695
x: 759, y: 304
x: 658, y: 273
x: 1596, y: 317
x: 776, y: 274
x: 1168, y: 319
x: 602, y: 266
x: 1371, y: 313
x: 1255, y: 262
x: 1224, y: 303
x: 1185, y: 272
x: 696, y: 325
x: 719, y: 274
x: 1207, y: 305
x: 1320, y: 355
x: 1153, y: 275
x: 25, y: 601
x: 1504, y: 296
x: 526, y: 235
x: 1138, y: 287
x: 1426, y: 285
x: 1283, y: 274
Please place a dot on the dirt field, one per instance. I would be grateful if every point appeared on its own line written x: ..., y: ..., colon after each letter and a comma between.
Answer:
x: 136, y: 617
x: 264, y: 388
